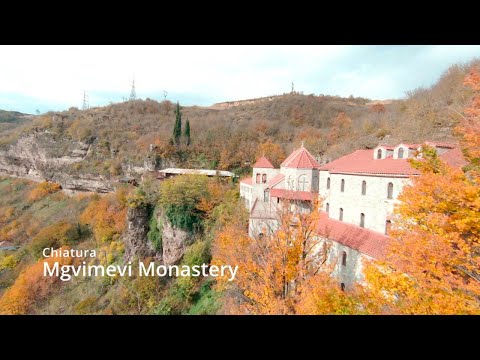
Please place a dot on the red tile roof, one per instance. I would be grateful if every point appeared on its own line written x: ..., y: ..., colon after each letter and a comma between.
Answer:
x: 454, y: 157
x: 301, y: 159
x: 441, y: 144
x: 368, y: 242
x: 247, y: 181
x: 264, y: 163
x: 276, y: 179
x: 362, y: 162
x: 292, y: 195
x: 410, y: 146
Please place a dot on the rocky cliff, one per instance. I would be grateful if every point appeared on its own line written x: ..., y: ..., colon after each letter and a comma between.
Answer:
x: 40, y: 156
x: 174, y: 241
x: 135, y: 238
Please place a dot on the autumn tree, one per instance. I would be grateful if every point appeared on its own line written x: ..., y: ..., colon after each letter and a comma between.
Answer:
x: 278, y: 273
x: 469, y: 127
x: 107, y: 216
x: 43, y: 189
x: 29, y: 287
x: 341, y: 127
x: 432, y: 264
x: 272, y: 151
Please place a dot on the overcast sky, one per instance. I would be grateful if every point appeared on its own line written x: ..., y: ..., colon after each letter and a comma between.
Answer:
x: 55, y: 77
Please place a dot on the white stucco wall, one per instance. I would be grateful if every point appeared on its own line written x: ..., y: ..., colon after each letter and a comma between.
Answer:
x: 375, y: 204
x: 258, y: 189
x: 246, y: 194
x: 352, y: 272
x: 295, y: 174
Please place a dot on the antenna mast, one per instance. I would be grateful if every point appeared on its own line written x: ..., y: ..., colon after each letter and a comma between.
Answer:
x: 85, y: 105
x: 133, y: 94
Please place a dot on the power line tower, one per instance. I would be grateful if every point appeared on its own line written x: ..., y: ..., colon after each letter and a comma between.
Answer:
x: 133, y: 94
x: 85, y: 105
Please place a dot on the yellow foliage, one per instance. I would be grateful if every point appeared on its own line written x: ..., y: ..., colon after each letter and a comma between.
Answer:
x: 29, y: 287
x: 43, y: 189
x: 107, y: 217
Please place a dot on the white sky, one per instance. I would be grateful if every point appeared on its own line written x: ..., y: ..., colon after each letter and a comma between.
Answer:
x: 54, y: 77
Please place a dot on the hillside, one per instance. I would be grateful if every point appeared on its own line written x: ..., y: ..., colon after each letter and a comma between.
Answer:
x: 230, y: 135
x: 177, y: 221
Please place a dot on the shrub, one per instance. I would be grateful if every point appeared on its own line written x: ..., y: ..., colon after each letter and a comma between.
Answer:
x: 56, y: 235
x: 43, y: 189
x: 154, y: 235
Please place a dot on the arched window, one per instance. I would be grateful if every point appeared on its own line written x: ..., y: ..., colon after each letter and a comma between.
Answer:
x: 364, y: 187
x: 340, y: 217
x: 344, y: 258
x: 342, y: 185
x: 342, y: 286
x: 264, y: 178
x: 266, y: 195
x: 400, y: 153
x: 302, y: 183
x: 261, y: 236
x: 388, y: 225
x: 327, y: 208
x: 328, y: 183
x: 379, y: 153
x: 362, y: 220
x: 390, y: 190
x: 258, y: 179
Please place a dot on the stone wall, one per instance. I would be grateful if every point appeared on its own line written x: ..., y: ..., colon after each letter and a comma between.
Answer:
x: 374, y: 204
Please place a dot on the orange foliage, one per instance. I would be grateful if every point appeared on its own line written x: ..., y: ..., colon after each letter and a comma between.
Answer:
x: 43, y: 189
x: 433, y: 263
x: 341, y: 126
x: 277, y: 274
x: 469, y: 127
x: 107, y: 217
x: 29, y: 287
x: 378, y: 108
x: 272, y: 152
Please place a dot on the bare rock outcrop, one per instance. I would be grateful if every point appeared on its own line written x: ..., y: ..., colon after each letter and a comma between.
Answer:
x: 135, y: 238
x: 174, y: 242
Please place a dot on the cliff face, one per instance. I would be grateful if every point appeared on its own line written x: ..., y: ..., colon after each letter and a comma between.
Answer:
x: 174, y: 240
x: 135, y: 238
x: 39, y: 156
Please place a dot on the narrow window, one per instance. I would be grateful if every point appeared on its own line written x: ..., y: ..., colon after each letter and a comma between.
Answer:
x: 390, y: 191
x: 344, y: 258
x: 362, y: 220
x: 388, y: 225
x: 342, y: 186
x: 327, y: 208
x: 328, y: 183
x: 400, y: 153
x: 264, y: 178
x: 379, y: 154
x: 258, y: 179
x: 278, y: 200
x: 340, y: 217
x: 266, y: 194
x: 342, y: 286
x: 364, y: 187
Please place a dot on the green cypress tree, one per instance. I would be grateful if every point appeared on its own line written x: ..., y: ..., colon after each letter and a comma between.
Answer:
x: 177, y: 129
x: 187, y: 132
